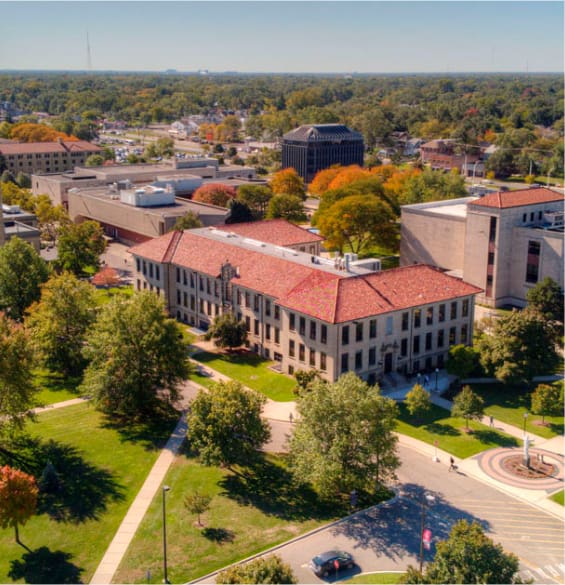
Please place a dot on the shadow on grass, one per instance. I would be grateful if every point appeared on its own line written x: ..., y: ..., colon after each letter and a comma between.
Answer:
x: 442, y: 429
x: 558, y: 428
x: 45, y: 566
x: 79, y: 492
x: 488, y: 437
x: 270, y: 488
x: 219, y: 535
x: 238, y: 357
x: 152, y: 432
x: 55, y: 382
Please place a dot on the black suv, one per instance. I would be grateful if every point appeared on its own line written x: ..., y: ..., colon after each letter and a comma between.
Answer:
x: 333, y: 560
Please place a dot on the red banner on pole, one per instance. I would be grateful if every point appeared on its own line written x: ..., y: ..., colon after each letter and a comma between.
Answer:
x: 427, y: 538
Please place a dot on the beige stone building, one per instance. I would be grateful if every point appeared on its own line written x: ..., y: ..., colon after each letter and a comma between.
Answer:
x: 309, y: 312
x: 503, y: 242
x: 46, y: 157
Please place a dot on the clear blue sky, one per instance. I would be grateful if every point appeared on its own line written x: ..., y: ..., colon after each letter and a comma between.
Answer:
x: 292, y: 36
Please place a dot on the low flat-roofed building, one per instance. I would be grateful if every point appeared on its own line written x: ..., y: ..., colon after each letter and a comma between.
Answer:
x: 308, y: 312
x: 504, y: 242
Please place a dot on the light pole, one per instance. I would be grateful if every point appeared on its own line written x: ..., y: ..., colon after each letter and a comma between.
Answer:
x: 427, y: 500
x: 437, y: 372
x: 165, y: 488
x: 525, y: 419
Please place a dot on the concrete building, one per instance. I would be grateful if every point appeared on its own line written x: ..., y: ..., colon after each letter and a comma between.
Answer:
x: 46, y: 157
x: 14, y: 222
x: 315, y: 147
x: 503, y: 242
x: 309, y: 312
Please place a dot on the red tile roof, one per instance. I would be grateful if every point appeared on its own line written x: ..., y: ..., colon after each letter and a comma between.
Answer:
x: 331, y: 297
x: 506, y: 199
x: 44, y: 147
x: 273, y: 231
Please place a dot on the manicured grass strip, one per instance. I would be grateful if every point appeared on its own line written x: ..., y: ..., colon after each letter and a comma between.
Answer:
x: 377, y: 578
x: 252, y: 371
x: 201, y: 379
x: 100, y: 469
x: 509, y: 403
x: 104, y: 295
x: 559, y: 497
x: 248, y: 514
x: 450, y: 433
x: 54, y: 387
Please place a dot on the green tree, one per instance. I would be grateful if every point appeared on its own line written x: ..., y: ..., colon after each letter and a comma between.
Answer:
x: 23, y: 180
x: 468, y: 405
x: 197, y: 503
x: 225, y: 425
x: 94, y: 160
x: 136, y: 354
x: 227, y: 331
x: 18, y: 498
x: 80, y: 246
x: 239, y: 212
x: 288, y: 182
x: 60, y: 320
x: 358, y: 222
x: 418, y: 401
x: 271, y: 569
x: 546, y: 299
x: 462, y: 361
x: 22, y: 271
x: 287, y: 207
x: 304, y: 379
x: 344, y: 438
x: 547, y: 400
x: 17, y: 390
x: 7, y: 177
x: 501, y: 163
x: 468, y: 556
x: 188, y: 221
x: 165, y: 147
x: 256, y: 197
x: 516, y: 347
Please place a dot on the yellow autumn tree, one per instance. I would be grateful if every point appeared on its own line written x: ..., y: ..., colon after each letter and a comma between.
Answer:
x: 37, y: 133
x: 288, y: 182
x: 321, y: 182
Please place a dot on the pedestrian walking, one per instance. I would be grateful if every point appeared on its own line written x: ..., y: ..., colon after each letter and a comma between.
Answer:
x: 426, y: 380
x: 491, y: 420
x: 451, y: 464
x: 290, y: 417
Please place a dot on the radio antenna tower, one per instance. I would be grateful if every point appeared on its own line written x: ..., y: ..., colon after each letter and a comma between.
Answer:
x: 88, y: 55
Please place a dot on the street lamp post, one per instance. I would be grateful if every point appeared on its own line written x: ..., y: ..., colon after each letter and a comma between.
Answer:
x: 437, y: 372
x: 427, y: 501
x: 525, y: 419
x: 165, y: 488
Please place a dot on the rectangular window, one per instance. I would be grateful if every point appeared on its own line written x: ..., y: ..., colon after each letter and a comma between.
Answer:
x: 192, y: 277
x: 464, y: 333
x: 345, y: 335
x: 532, y: 266
x: 267, y: 331
x: 144, y: 268
x: 184, y: 279
x: 301, y: 352
x: 416, y: 348
x: 324, y: 333
x: 492, y: 230
x: 453, y: 313
x: 488, y: 288
x: 440, y: 336
x: 323, y: 362
x: 267, y: 307
x: 255, y: 302
x: 291, y: 347
x: 157, y: 273
x: 302, y: 326
x: 389, y: 324
x: 405, y: 318
x: 138, y: 282
x: 313, y: 330
x: 192, y: 302
x: 216, y: 289
x: 248, y: 323
x: 277, y: 335
x: 441, y: 313
x: 465, y: 308
x: 344, y: 362
x: 201, y: 284
x: 359, y: 332
x: 255, y: 327
x: 452, y: 333
x: 277, y: 312
x: 138, y: 264
x: 178, y: 297
x: 372, y: 356
x: 372, y: 328
x: 359, y: 360
x: 404, y: 347
x: 208, y: 308
x: 490, y: 259
x: 417, y: 318
x: 208, y: 289
x: 247, y: 300
x: 185, y: 299
x: 312, y: 358
x: 291, y: 321
x: 428, y: 341
x: 430, y: 316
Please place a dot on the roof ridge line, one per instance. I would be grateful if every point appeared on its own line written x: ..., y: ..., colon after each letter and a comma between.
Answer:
x: 173, y: 245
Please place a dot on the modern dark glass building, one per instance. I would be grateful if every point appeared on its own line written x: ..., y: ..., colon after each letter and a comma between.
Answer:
x: 314, y: 147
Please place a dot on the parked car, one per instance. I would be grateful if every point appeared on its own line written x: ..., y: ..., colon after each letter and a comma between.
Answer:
x: 331, y: 561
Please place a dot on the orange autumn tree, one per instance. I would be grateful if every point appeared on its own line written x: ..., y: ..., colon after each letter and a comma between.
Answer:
x: 215, y: 194
x: 37, y: 133
x: 18, y: 498
x: 321, y: 182
x: 347, y: 176
x: 288, y: 182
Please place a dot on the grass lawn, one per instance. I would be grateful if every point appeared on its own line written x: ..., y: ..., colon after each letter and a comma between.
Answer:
x: 450, y: 432
x: 559, y: 497
x: 103, y: 295
x: 509, y: 403
x: 101, y: 469
x: 54, y: 387
x: 378, y: 578
x: 248, y: 514
x: 201, y: 379
x: 253, y: 371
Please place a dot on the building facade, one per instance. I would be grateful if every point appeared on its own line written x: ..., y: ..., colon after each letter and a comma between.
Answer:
x: 504, y: 243
x: 308, y: 312
x: 46, y: 157
x: 315, y: 147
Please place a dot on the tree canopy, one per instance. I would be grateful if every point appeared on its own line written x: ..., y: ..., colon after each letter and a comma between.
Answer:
x: 547, y: 400
x: 288, y: 182
x: 227, y: 331
x: 225, y: 425
x: 18, y: 498
x: 418, y: 401
x: 80, y: 246
x: 214, y: 194
x: 344, y: 438
x: 136, y: 357
x: 256, y: 197
x: 271, y: 569
x: 468, y: 405
x: 188, y: 221
x: 546, y: 298
x: 289, y: 207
